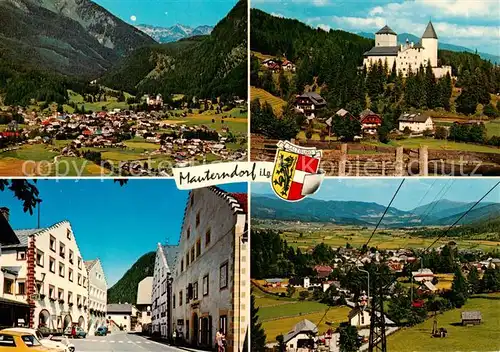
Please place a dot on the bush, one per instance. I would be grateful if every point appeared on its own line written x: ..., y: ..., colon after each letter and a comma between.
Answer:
x: 441, y: 133
x: 491, y: 111
x: 303, y: 295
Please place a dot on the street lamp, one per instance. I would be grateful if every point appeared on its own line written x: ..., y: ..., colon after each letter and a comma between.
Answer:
x: 367, y: 273
x: 170, y: 279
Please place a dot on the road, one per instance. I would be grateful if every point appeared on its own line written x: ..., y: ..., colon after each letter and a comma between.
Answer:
x: 120, y: 342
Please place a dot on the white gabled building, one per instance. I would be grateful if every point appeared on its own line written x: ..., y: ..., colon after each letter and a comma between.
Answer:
x: 48, y: 274
x: 210, y: 289
x: 98, y: 295
x: 166, y: 256
x: 415, y: 122
x: 143, y: 304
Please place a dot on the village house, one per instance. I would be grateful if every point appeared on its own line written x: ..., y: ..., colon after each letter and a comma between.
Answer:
x: 407, y: 57
x: 13, y: 312
x: 287, y: 65
x: 154, y: 101
x: 370, y: 121
x: 415, y: 122
x: 323, y: 271
x: 122, y: 316
x: 210, y: 289
x: 359, y: 317
x: 48, y: 273
x: 143, y: 304
x: 471, y: 318
x: 300, y: 337
x: 426, y: 287
x: 166, y: 257
x: 309, y: 103
x: 422, y: 275
x: 98, y: 295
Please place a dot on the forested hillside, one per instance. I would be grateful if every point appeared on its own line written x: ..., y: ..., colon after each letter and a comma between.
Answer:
x: 125, y: 290
x: 330, y: 63
x: 205, y: 66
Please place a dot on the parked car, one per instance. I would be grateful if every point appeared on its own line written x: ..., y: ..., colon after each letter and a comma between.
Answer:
x: 79, y: 332
x: 14, y: 341
x: 62, y: 345
x: 101, y: 331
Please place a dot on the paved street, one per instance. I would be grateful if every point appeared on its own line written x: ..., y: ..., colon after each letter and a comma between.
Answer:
x: 120, y: 342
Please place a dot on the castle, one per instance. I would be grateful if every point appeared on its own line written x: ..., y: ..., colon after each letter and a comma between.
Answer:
x: 408, y: 56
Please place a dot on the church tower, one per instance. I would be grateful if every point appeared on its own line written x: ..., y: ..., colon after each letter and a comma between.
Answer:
x: 430, y: 44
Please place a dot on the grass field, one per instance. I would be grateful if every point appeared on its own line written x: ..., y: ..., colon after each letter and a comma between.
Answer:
x: 484, y: 337
x: 280, y: 314
x: 35, y: 152
x: 237, y: 123
x: 493, y: 128
x: 338, y: 236
x: 110, y: 103
x: 276, y: 103
x: 444, y: 281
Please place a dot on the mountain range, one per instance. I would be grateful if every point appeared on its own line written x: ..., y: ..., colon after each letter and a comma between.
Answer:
x: 438, y: 213
x: 173, y: 33
x: 71, y: 37
x: 442, y: 46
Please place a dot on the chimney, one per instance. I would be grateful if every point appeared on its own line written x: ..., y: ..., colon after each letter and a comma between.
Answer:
x: 5, y: 212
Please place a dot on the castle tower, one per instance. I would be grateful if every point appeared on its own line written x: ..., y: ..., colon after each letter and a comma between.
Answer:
x: 386, y: 37
x: 430, y: 44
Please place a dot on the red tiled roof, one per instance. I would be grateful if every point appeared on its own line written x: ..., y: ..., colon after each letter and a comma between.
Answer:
x: 242, y: 198
x: 323, y: 268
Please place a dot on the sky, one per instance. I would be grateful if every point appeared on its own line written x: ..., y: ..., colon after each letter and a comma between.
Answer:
x: 117, y: 224
x: 166, y: 13
x: 471, y: 23
x: 413, y: 193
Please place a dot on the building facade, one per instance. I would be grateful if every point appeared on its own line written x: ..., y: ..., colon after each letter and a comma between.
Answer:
x: 49, y: 275
x: 406, y: 57
x: 210, y: 288
x: 143, y: 304
x: 415, y: 122
x: 309, y: 103
x: 165, y: 259
x: 122, y: 316
x: 98, y: 295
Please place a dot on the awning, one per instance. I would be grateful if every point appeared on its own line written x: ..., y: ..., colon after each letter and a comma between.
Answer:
x: 5, y: 301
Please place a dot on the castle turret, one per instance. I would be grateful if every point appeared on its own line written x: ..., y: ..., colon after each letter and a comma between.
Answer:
x: 430, y: 44
x: 386, y: 37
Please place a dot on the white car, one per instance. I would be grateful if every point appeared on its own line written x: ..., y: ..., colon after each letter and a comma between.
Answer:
x: 62, y: 345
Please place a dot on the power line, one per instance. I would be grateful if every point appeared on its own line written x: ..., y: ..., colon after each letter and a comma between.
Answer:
x: 444, y: 190
x: 463, y: 215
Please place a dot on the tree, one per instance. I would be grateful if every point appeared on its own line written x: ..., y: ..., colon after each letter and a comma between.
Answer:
x: 303, y: 295
x: 258, y: 336
x: 290, y: 290
x: 459, y: 289
x: 473, y: 280
x: 441, y: 132
x: 284, y: 84
x: 348, y: 339
x: 281, y: 343
x: 346, y: 128
x: 491, y: 111
x: 23, y: 190
x: 491, y: 280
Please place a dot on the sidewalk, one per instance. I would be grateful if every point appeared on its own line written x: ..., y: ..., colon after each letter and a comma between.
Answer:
x: 165, y: 342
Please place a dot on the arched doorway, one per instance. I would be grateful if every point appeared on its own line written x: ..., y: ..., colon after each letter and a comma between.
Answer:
x: 67, y: 322
x: 81, y: 322
x: 205, y: 338
x: 44, y: 319
x: 194, y: 336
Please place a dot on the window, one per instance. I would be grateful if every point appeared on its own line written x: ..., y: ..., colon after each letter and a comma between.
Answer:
x: 20, y: 288
x: 68, y: 234
x: 52, y: 243
x: 71, y: 256
x: 21, y: 255
x: 192, y: 254
x: 60, y: 294
x: 39, y: 287
x: 62, y: 250
x: 7, y: 286
x: 79, y: 279
x: 124, y: 317
x: 70, y: 297
x: 173, y: 301
x: 197, y: 219
x: 70, y: 275
x: 198, y: 248
x: 188, y: 233
x: 52, y: 265
x: 223, y: 324
x: 61, y: 269
x: 79, y: 263
x: 187, y: 259
x: 205, y: 285
x: 208, y: 236
x: 7, y: 341
x: 180, y: 298
x: 182, y: 265
x: 223, y: 275
x: 195, y: 290
x: 39, y: 258
x: 52, y: 292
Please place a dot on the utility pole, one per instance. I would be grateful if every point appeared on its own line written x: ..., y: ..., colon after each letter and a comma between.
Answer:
x: 377, y: 340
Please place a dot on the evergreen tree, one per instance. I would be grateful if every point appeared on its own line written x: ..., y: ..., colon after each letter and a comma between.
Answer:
x: 459, y: 289
x: 284, y: 84
x: 268, y: 82
x: 348, y: 339
x: 491, y: 280
x: 432, y: 97
x: 258, y: 336
x: 473, y: 280
x: 346, y: 128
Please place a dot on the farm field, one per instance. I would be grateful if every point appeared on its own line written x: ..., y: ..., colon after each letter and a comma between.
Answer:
x: 438, y: 145
x: 338, y: 236
x: 278, y: 315
x: 484, y: 337
x: 276, y: 103
x: 237, y: 123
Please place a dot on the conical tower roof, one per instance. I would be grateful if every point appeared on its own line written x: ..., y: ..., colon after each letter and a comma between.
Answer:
x: 386, y: 30
x: 430, y: 32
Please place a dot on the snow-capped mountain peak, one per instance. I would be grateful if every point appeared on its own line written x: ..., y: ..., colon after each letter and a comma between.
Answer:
x: 173, y: 33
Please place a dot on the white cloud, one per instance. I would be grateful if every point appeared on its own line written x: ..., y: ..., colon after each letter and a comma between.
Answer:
x: 324, y: 27
x: 318, y: 3
x: 376, y: 11
x: 276, y: 14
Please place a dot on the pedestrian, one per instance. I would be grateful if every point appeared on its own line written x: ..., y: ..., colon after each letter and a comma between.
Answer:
x: 73, y: 332
x: 220, y: 341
